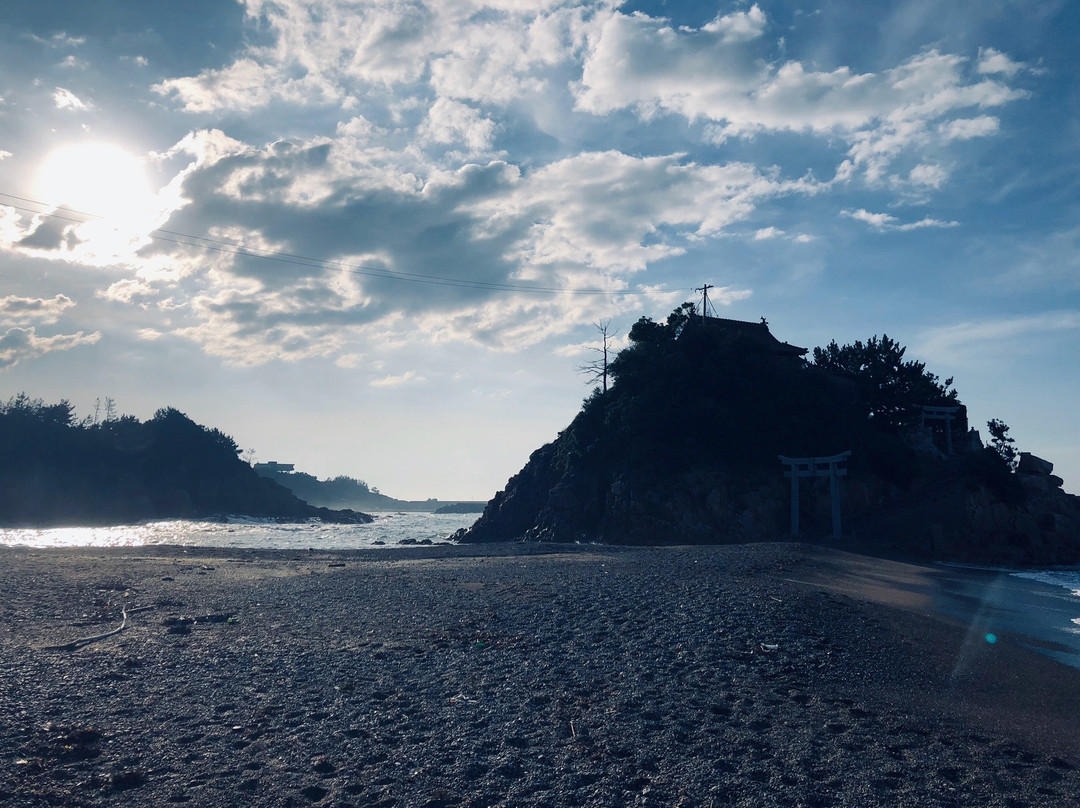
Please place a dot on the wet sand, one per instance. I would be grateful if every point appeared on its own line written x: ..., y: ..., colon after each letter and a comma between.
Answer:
x: 770, y: 674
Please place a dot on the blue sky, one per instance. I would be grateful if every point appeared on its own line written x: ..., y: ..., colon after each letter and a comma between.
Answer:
x: 420, y: 175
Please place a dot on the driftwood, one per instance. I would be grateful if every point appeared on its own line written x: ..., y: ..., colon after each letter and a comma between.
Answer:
x: 79, y: 643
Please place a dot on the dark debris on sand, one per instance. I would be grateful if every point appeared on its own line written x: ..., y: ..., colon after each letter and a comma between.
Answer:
x: 503, y: 677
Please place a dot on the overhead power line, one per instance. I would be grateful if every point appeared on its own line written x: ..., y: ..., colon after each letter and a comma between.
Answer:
x: 234, y: 248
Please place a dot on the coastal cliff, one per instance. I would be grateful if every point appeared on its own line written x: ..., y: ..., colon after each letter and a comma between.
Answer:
x: 683, y: 448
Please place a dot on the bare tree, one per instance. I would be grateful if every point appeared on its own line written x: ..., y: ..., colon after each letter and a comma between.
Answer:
x: 596, y: 370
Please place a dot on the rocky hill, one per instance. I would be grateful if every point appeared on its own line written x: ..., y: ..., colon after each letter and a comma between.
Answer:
x: 684, y: 446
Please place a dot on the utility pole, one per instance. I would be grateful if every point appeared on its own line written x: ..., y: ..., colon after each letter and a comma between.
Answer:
x: 704, y: 289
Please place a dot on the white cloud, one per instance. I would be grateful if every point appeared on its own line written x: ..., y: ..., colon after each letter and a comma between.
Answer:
x: 879, y: 220
x: 639, y: 61
x: 928, y: 176
x: 927, y: 222
x: 65, y: 99
x: 93, y: 243
x: 321, y: 51
x: 23, y: 344
x: 4, y: 154
x: 453, y: 122
x: 993, y: 61
x: 773, y: 233
x: 59, y: 40
x: 408, y: 377
x: 24, y: 310
x: 349, y: 361
x: 738, y: 26
x: 206, y: 146
x: 128, y: 291
x: 499, y: 60
x: 457, y: 60
x: 991, y: 339
x: 726, y: 295
x: 642, y: 63
x: 885, y: 221
x: 588, y: 221
x: 331, y: 52
x: 616, y: 342
x: 11, y: 227
x: 393, y: 111
x: 243, y: 86
x: 612, y: 211
x: 228, y: 325
x: 967, y: 128
x: 767, y: 233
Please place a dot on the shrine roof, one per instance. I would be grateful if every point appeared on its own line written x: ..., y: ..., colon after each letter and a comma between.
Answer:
x: 758, y: 332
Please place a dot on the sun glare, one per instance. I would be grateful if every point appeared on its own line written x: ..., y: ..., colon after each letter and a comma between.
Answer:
x: 98, y: 179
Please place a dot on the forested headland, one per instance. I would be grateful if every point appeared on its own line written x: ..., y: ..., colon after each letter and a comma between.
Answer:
x: 56, y: 469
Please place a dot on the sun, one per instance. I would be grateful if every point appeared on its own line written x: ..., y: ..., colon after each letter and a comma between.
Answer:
x: 100, y: 180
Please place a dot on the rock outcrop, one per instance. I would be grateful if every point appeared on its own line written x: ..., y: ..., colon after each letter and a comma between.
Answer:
x: 683, y: 449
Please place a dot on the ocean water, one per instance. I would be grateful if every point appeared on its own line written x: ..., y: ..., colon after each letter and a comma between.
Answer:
x: 1067, y: 578
x: 1041, y: 605
x: 388, y: 530
x: 1038, y: 608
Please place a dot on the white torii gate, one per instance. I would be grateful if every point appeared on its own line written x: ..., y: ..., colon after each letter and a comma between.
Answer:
x: 831, y: 467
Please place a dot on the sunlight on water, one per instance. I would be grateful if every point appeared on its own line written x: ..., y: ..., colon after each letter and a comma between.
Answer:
x: 388, y: 529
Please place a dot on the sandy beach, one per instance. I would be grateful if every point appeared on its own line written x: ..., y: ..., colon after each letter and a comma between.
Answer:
x: 528, y: 675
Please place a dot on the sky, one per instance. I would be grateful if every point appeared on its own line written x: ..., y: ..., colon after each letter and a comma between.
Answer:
x: 375, y: 238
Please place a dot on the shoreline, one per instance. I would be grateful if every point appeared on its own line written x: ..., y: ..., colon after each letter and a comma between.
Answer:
x: 987, y: 603
x: 766, y: 674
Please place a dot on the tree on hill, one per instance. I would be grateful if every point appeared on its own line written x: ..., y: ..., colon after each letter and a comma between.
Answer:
x: 22, y: 408
x: 1002, y: 443
x: 894, y: 387
x: 596, y: 369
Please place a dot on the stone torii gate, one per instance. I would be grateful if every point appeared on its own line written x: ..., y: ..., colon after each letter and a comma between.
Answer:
x: 831, y: 467
x: 946, y: 414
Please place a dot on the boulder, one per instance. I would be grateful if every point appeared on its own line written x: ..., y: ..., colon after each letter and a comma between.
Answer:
x: 1031, y: 464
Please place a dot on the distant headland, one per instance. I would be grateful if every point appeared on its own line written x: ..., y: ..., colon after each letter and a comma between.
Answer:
x: 349, y: 492
x: 714, y: 431
x: 58, y: 470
